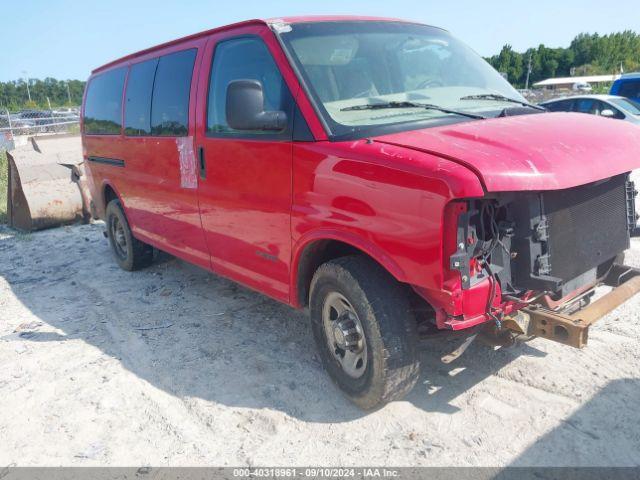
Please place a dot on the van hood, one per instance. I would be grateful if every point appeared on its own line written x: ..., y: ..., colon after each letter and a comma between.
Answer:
x: 532, y: 152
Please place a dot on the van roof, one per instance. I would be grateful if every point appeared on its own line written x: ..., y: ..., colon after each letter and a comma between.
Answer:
x: 630, y: 76
x: 268, y: 22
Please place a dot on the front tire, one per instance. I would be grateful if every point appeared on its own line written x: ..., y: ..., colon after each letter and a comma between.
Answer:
x: 364, y: 330
x: 130, y: 253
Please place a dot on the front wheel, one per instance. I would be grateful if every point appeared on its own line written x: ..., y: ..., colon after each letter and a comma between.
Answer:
x: 364, y: 330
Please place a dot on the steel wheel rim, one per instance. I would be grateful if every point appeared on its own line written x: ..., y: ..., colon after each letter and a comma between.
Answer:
x: 344, y: 335
x: 119, y: 237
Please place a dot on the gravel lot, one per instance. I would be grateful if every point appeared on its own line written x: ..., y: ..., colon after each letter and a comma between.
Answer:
x: 175, y: 366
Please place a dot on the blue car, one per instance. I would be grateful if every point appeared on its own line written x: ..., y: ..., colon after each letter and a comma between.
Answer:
x: 627, y: 85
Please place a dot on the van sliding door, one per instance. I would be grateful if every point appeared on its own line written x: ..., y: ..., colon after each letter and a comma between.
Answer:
x: 160, y: 182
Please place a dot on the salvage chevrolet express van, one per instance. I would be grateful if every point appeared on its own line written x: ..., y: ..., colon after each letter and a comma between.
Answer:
x: 376, y: 171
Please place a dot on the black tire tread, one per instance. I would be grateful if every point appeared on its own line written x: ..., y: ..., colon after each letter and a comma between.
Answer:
x: 388, y: 303
x: 141, y: 253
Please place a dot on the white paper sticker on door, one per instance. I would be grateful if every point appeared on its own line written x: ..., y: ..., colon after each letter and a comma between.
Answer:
x: 188, y: 170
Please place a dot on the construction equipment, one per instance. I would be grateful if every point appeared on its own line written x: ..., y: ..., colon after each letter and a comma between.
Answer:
x: 46, y: 183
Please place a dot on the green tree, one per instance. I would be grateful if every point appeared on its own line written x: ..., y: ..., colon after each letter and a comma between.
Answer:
x: 13, y: 94
x: 588, y: 54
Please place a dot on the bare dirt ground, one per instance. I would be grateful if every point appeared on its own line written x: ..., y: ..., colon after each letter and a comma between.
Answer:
x: 175, y: 366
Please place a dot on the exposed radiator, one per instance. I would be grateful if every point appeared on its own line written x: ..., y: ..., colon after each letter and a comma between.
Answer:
x: 569, y: 233
x: 587, y: 225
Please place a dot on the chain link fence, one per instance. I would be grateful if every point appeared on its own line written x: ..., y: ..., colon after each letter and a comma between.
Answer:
x: 36, y: 122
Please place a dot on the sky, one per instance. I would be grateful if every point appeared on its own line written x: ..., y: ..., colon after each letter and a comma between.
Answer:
x: 66, y: 39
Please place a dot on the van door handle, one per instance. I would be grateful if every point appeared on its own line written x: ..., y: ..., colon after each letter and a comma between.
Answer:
x: 203, y: 165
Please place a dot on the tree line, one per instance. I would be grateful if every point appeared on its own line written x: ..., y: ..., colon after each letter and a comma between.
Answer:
x: 57, y: 93
x: 588, y: 54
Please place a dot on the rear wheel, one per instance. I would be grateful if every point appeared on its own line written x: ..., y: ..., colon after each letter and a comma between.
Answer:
x: 364, y: 330
x: 130, y: 253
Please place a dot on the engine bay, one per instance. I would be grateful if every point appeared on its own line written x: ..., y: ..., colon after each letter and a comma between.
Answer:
x: 556, y: 241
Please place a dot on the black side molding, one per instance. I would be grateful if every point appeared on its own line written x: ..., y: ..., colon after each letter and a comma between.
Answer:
x: 115, y: 162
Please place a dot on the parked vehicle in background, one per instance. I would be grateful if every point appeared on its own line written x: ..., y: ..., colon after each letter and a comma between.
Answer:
x: 628, y: 85
x: 582, y: 87
x: 68, y: 113
x: 35, y: 117
x: 65, y: 110
x: 609, y: 106
x: 35, y: 122
x: 19, y: 126
x: 370, y: 170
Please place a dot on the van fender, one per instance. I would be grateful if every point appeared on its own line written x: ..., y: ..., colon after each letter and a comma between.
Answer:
x: 365, y: 246
x: 103, y: 187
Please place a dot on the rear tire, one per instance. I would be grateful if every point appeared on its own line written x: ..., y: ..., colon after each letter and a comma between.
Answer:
x: 130, y: 253
x: 364, y: 330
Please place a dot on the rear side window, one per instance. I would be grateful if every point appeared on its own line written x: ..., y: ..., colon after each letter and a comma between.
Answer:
x: 103, y: 104
x: 137, y: 110
x: 172, y: 85
x: 239, y: 59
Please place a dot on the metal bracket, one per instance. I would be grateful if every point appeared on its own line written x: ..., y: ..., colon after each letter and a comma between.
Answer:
x: 618, y: 274
x: 556, y: 326
x: 461, y: 258
x: 460, y: 261
x: 573, y: 330
x: 631, y: 193
x: 543, y: 264
x: 541, y: 231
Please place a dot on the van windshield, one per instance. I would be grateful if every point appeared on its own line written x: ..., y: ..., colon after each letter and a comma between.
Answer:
x: 352, y: 64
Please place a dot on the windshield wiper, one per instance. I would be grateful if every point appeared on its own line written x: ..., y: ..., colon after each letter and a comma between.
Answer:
x: 426, y: 106
x: 502, y: 98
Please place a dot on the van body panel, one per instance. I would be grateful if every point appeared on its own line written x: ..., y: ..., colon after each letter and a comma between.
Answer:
x: 246, y: 217
x: 245, y: 190
x: 161, y: 212
x: 532, y: 152
x: 386, y: 201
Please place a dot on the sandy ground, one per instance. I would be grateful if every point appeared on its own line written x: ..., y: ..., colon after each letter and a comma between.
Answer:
x: 175, y: 366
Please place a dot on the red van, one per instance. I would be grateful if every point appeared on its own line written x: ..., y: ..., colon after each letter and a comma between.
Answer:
x: 376, y: 171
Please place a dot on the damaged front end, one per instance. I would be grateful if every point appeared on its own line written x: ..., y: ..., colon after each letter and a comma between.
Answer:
x: 529, y: 262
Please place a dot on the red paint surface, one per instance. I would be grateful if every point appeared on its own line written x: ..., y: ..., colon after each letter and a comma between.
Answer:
x: 532, y: 152
x: 264, y: 202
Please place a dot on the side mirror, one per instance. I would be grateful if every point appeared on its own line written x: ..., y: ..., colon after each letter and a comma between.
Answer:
x: 607, y: 112
x: 245, y: 108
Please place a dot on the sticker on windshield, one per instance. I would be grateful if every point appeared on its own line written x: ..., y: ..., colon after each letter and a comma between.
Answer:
x: 341, y: 55
x: 280, y: 26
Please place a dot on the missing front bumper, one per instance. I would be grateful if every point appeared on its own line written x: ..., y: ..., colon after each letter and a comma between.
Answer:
x: 573, y: 329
